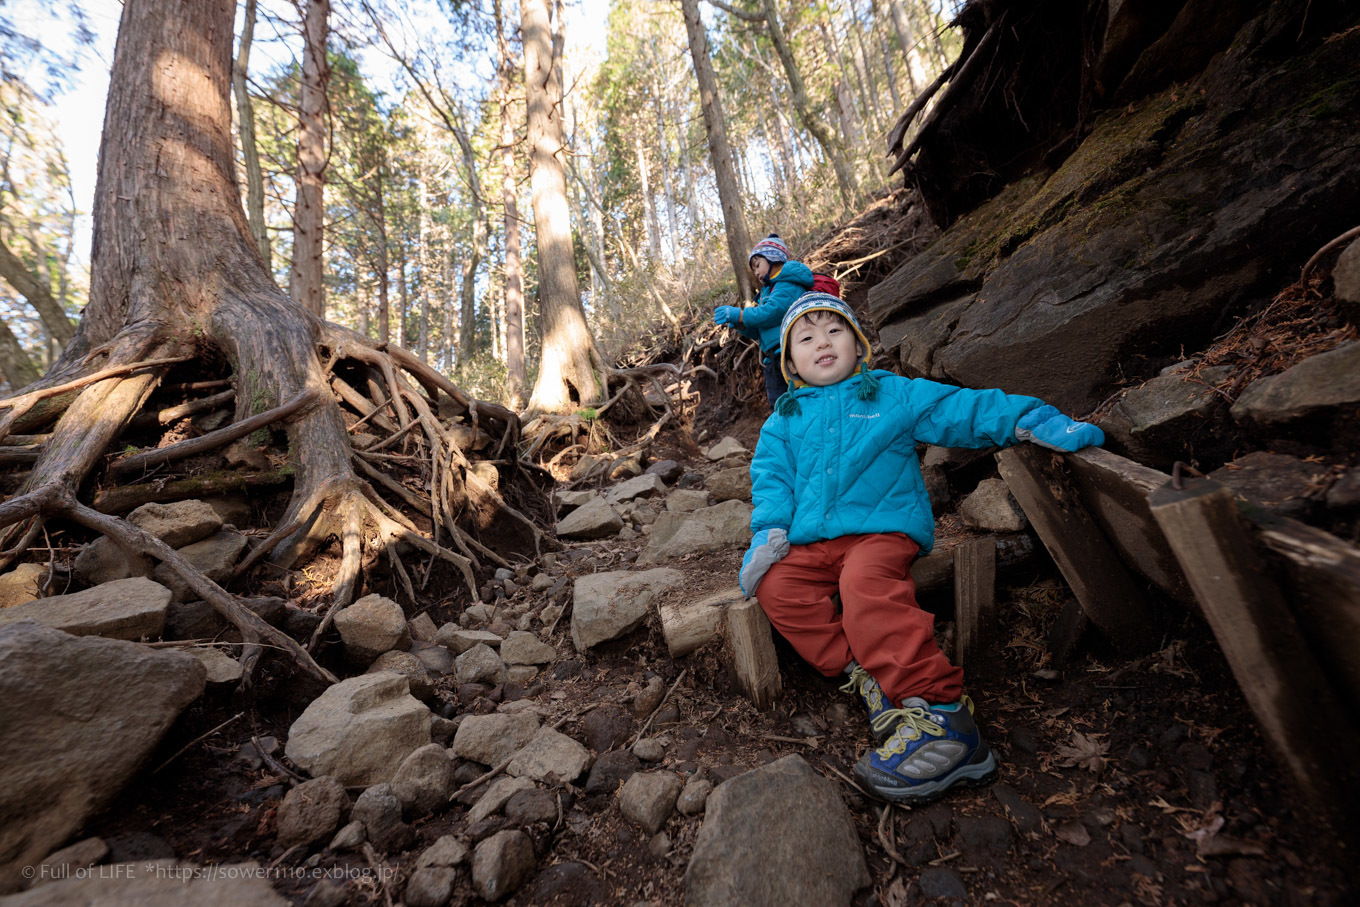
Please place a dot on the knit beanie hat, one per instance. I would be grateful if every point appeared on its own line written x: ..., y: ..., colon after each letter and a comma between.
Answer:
x: 771, y: 248
x: 820, y: 302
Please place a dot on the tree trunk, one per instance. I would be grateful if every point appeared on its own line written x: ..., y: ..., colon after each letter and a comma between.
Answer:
x: 514, y: 275
x: 467, y: 333
x: 36, y: 291
x: 571, y: 365
x: 384, y: 305
x: 309, y: 215
x: 904, y: 39
x: 845, y: 177
x: 245, y: 116
x: 423, y: 256
x: 15, y: 364
x: 715, y: 126
x: 648, y: 206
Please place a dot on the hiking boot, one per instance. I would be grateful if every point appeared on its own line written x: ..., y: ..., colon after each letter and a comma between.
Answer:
x: 931, y: 749
x: 871, y: 694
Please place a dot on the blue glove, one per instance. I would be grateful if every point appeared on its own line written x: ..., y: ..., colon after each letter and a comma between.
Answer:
x: 768, y: 548
x: 1049, y: 428
x: 726, y: 314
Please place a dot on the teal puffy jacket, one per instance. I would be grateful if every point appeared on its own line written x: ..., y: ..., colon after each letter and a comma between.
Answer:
x: 846, y: 466
x: 761, y: 321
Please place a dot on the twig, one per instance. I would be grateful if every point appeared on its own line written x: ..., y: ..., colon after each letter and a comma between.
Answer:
x: 1350, y: 234
x: 198, y: 739
x: 643, y: 730
x: 273, y: 763
x: 888, y: 848
x: 378, y: 870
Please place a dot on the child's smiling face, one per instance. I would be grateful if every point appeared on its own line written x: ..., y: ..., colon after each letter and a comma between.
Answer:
x: 823, y: 349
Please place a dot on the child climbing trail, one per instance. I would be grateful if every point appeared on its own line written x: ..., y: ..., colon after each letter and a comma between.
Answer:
x: 841, y: 507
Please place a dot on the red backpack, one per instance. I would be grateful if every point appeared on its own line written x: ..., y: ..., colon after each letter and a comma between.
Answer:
x: 825, y: 283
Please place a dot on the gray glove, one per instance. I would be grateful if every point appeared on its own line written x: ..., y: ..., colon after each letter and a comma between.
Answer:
x: 768, y: 547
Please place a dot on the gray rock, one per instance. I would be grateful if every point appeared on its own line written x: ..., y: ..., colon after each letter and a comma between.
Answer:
x: 1278, y: 482
x: 458, y: 640
x: 1151, y: 419
x: 593, y: 520
x: 649, y: 750
x: 725, y: 448
x: 123, y: 609
x: 1346, y: 274
x: 1324, y: 381
x: 985, y: 833
x: 991, y: 508
x: 610, y: 770
x: 103, y: 561
x: 816, y: 858
x: 422, y: 628
x: 424, y: 781
x: 214, y: 557
x: 643, y: 486
x: 480, y: 664
x: 570, y: 500
x: 668, y: 470
x: 65, y: 863
x: 489, y: 739
x: 431, y: 886
x: 409, y: 666
x: 222, y: 669
x: 502, y: 863
x: 730, y: 484
x: 686, y: 500
x: 359, y: 730
x: 724, y: 525
x: 435, y: 658
x: 158, y: 882
x: 447, y: 851
x: 177, y: 524
x: 1025, y: 815
x: 351, y: 837
x: 380, y: 812
x: 521, y: 648
x: 528, y: 806
x: 551, y: 757
x: 627, y: 468
x: 81, y: 716
x: 497, y: 794
x: 1345, y: 492
x: 692, y: 798
x: 942, y: 882
x: 648, y: 799
x: 541, y: 583
x: 371, y: 626
x: 609, y: 605
x: 311, y: 812
x: 21, y: 585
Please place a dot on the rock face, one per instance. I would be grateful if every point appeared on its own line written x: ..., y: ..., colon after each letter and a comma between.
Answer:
x: 815, y: 858
x: 81, y: 715
x: 123, y: 609
x: 609, y: 605
x: 1159, y: 221
x: 359, y: 730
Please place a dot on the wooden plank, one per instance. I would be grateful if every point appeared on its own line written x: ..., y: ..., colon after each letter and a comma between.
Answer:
x: 1067, y: 631
x: 690, y: 625
x: 974, y: 598
x: 1320, y: 574
x: 1108, y: 594
x: 1115, y: 491
x: 935, y: 571
x: 753, y: 655
x: 1293, y: 702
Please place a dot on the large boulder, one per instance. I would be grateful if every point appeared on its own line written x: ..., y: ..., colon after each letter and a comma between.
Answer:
x: 81, y: 714
x: 609, y: 605
x: 1325, y: 381
x: 777, y: 835
x: 1167, y: 215
x: 360, y: 730
x: 123, y: 609
x: 713, y: 528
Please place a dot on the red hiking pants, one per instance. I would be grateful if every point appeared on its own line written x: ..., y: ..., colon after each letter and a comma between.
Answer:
x: 879, y: 624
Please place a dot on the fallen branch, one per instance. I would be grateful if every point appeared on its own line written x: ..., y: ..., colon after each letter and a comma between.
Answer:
x: 1346, y: 237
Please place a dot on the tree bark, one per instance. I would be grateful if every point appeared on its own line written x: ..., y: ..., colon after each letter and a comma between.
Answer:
x: 720, y: 153
x: 309, y: 216
x: 54, y: 319
x: 571, y: 365
x: 245, y: 117
x: 514, y: 274
x: 845, y: 177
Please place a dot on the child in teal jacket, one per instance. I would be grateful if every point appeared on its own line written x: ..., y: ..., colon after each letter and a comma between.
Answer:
x: 781, y: 282
x: 840, y: 506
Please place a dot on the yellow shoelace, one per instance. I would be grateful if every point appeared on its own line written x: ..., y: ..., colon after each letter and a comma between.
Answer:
x: 915, y: 721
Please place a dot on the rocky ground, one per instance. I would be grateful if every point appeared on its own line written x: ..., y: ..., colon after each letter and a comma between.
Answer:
x: 550, y: 750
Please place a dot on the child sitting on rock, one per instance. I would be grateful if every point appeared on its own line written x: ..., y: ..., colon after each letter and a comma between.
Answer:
x: 840, y: 506
x: 781, y: 282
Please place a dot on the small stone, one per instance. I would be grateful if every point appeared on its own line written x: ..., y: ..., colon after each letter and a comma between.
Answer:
x: 533, y: 805
x: 648, y: 798
x: 408, y: 666
x: 311, y: 812
x: 480, y: 664
x: 380, y: 812
x: 727, y: 447
x: 610, y: 770
x: 650, y: 697
x: 649, y: 750
x: 502, y: 863
x: 371, y: 626
x: 351, y: 837
x: 458, y: 640
x: 659, y: 845
x: 541, y: 583
x: 430, y: 886
x: 692, y: 798
x: 497, y: 794
x: 942, y: 882
x: 447, y: 851
x: 520, y: 648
